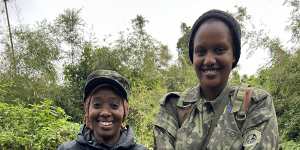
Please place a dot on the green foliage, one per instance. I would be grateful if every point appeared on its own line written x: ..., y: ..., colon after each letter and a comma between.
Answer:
x: 290, y: 145
x: 282, y: 79
x: 179, y: 77
x: 182, y: 44
x: 28, y: 121
x: 38, y: 126
x: 235, y: 78
x: 137, y: 49
x: 143, y: 108
x: 26, y: 90
x: 36, y: 50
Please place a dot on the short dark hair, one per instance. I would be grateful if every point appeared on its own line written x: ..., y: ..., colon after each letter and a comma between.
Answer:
x: 232, y: 24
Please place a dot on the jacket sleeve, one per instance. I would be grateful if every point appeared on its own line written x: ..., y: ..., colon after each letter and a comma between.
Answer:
x: 61, y: 147
x: 260, y: 130
x: 72, y: 145
x: 166, y: 123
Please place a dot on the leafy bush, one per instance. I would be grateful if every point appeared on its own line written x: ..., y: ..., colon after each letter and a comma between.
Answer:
x: 144, y: 105
x: 290, y: 145
x: 38, y: 126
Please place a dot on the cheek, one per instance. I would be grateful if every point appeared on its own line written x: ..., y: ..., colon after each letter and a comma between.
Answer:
x: 92, y: 115
x: 90, y: 118
x: 195, y: 58
x: 121, y: 114
x: 197, y: 64
x: 118, y: 114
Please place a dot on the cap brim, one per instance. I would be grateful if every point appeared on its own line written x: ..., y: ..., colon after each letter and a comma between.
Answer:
x: 92, y: 84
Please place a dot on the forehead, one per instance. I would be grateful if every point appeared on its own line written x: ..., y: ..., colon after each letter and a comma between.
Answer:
x: 106, y: 91
x: 213, y: 27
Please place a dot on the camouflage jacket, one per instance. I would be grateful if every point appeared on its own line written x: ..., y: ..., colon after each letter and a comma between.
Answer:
x: 259, y: 130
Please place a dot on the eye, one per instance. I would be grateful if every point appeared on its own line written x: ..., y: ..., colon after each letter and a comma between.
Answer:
x: 200, y: 51
x: 219, y: 50
x: 114, y: 105
x: 96, y: 102
x: 96, y: 105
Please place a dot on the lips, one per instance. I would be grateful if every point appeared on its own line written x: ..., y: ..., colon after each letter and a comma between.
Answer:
x: 105, y: 124
x: 210, y: 72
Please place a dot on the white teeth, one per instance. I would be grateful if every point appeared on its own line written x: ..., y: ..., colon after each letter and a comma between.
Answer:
x: 210, y: 71
x: 105, y: 123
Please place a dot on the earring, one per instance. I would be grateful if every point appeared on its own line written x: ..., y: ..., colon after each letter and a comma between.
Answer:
x: 123, y: 126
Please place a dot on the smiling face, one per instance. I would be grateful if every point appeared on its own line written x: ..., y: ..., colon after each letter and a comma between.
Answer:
x: 213, y: 55
x: 106, y: 113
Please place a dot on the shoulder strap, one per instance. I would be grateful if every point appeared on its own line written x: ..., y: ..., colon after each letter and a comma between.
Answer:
x: 247, y: 97
x: 244, y: 95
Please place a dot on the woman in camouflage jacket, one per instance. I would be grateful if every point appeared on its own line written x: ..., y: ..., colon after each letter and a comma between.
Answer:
x: 213, y: 115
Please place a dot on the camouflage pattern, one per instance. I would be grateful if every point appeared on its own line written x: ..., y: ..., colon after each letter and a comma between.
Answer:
x: 107, y: 77
x: 258, y: 131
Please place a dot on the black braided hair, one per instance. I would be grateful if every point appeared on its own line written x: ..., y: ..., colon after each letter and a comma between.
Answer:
x: 232, y: 24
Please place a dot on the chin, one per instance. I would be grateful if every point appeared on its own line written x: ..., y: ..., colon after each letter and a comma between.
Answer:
x: 210, y: 83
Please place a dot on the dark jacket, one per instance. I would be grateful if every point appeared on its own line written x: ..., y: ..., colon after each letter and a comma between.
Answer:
x: 86, y: 141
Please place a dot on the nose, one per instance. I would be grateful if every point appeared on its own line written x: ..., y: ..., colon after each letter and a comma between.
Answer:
x: 105, y: 113
x: 209, y: 58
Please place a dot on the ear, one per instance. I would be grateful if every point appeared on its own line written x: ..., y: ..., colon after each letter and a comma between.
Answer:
x: 126, y: 108
x: 86, y: 112
x: 233, y: 58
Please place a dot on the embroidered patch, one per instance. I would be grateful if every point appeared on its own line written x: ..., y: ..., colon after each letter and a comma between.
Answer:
x: 229, y: 108
x: 251, y: 138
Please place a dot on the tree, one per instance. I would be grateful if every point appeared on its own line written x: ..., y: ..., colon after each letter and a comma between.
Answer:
x: 142, y: 54
x: 36, y: 51
x: 69, y: 28
x: 294, y: 21
x: 182, y: 44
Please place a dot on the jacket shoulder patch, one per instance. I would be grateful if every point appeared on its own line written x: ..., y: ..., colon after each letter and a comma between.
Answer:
x: 168, y: 97
x: 251, y: 138
x: 259, y: 95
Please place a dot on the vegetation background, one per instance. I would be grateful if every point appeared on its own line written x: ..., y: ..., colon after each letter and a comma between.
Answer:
x: 41, y: 105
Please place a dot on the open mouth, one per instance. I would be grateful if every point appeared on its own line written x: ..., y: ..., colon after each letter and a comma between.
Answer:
x: 209, y: 71
x: 105, y: 124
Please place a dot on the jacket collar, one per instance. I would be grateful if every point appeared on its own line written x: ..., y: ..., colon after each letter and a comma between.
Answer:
x: 85, y: 137
x: 194, y: 95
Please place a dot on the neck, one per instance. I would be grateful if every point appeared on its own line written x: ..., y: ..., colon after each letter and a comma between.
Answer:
x: 107, y: 140
x: 211, y: 93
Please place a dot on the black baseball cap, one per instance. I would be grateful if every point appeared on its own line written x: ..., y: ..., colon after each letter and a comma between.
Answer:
x: 107, y: 77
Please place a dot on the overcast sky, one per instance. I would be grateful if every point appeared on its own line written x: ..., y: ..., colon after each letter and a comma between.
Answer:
x: 106, y: 17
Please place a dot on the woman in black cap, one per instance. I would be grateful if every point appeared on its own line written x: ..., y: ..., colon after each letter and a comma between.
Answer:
x: 106, y: 106
x: 213, y: 115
